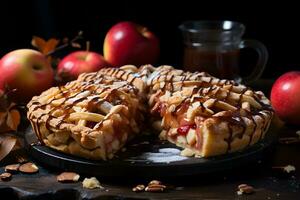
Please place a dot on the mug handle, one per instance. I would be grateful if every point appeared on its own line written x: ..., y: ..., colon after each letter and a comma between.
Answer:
x: 263, y: 56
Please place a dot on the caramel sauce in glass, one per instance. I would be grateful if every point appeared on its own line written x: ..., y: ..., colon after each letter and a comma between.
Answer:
x: 214, y: 47
x: 220, y: 64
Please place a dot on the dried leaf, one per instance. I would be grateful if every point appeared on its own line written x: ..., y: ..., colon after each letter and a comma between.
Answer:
x: 13, y: 119
x: 3, y: 101
x: 2, y: 117
x: 44, y: 46
x: 38, y: 43
x: 50, y: 46
x: 7, y: 144
x: 9, y: 115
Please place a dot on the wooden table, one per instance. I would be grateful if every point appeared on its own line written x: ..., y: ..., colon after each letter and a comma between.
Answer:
x: 268, y: 183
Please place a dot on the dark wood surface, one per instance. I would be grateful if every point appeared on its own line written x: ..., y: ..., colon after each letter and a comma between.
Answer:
x: 147, y: 156
x: 268, y: 183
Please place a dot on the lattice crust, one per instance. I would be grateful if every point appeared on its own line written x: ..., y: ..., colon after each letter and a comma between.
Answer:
x: 97, y: 114
x: 92, y: 117
x: 206, y: 115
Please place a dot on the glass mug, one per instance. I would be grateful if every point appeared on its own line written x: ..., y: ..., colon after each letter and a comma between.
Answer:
x: 214, y: 47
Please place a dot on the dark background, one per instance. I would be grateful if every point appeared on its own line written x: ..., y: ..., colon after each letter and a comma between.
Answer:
x: 276, y: 25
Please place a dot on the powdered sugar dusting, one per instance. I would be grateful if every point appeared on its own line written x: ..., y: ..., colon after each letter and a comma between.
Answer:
x: 164, y: 155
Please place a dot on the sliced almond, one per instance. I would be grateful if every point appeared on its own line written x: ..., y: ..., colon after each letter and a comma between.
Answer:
x: 68, y: 177
x: 5, y: 176
x: 154, y: 182
x: 242, y: 186
x: 14, y: 168
x: 138, y: 188
x: 245, y: 189
x: 155, y: 188
x: 29, y: 168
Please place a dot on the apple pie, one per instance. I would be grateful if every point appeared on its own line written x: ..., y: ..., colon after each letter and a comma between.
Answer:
x: 205, y: 115
x: 92, y: 117
x: 97, y: 114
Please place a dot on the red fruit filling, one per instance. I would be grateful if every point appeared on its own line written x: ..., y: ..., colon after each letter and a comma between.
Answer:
x: 183, y: 130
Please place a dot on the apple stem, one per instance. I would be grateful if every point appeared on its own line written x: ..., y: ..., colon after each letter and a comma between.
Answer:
x: 77, y: 37
x: 88, y: 44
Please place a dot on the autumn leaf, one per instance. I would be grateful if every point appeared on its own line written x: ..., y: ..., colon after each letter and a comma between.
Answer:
x: 13, y: 119
x: 2, y: 117
x: 9, y: 116
x: 44, y: 46
x: 7, y: 144
x: 10, y: 121
x: 38, y: 42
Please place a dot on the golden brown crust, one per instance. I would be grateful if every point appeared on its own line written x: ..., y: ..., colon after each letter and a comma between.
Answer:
x: 95, y: 115
x: 91, y: 117
x: 207, y: 115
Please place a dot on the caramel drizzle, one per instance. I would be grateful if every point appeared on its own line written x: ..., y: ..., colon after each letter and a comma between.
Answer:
x: 84, y: 85
x: 254, y: 129
x: 234, y: 118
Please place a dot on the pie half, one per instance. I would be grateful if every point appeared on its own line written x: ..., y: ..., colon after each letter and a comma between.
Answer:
x: 97, y: 114
x: 92, y: 117
x: 205, y: 115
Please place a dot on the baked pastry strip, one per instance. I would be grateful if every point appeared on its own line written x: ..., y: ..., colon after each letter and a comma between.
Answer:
x: 92, y: 117
x: 206, y: 115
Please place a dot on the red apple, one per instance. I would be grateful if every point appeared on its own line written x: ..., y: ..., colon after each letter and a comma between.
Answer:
x: 130, y: 43
x: 79, y: 62
x: 26, y: 70
x: 285, y: 97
